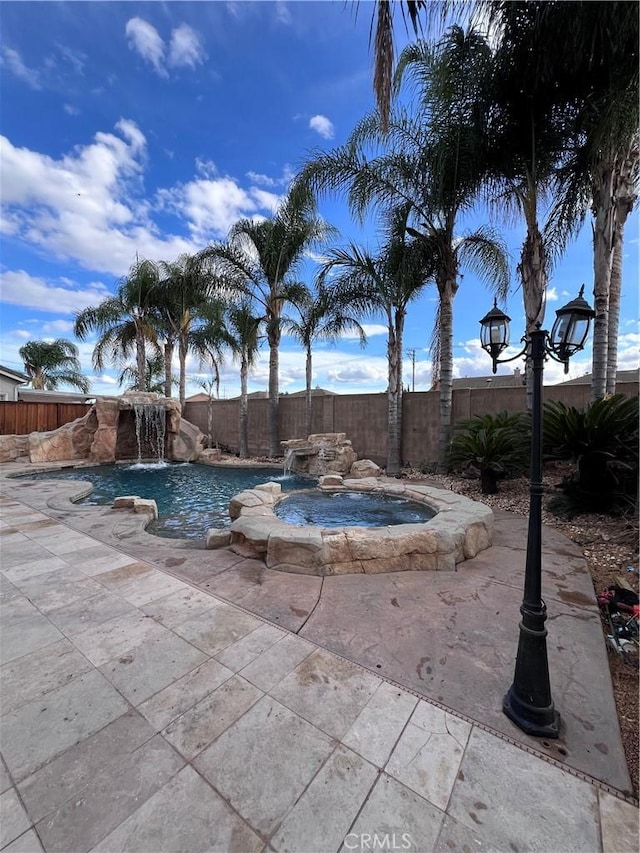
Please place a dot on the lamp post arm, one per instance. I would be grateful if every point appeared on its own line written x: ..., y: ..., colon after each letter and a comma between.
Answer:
x: 523, y: 352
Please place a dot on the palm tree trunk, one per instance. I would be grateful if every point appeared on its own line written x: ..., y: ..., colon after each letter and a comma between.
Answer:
x: 308, y: 389
x: 182, y: 356
x: 603, y: 235
x: 394, y: 354
x: 625, y: 200
x: 273, y: 337
x: 168, y: 358
x: 615, y: 286
x: 141, y: 359
x: 244, y: 408
x: 447, y: 290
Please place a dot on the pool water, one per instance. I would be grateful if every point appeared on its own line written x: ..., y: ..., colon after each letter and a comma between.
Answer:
x: 191, y: 498
x: 350, y: 509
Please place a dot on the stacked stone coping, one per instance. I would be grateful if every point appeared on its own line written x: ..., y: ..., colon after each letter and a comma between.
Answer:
x: 460, y: 529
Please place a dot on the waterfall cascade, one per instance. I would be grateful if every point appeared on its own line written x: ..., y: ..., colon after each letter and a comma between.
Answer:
x: 150, y: 429
x: 288, y: 461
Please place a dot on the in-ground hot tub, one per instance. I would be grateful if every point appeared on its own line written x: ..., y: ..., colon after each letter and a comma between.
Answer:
x: 458, y: 530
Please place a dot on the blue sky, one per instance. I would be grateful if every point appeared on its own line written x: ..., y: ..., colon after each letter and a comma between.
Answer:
x: 151, y: 127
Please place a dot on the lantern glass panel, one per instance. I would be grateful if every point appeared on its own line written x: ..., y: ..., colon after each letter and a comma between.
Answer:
x: 577, y: 333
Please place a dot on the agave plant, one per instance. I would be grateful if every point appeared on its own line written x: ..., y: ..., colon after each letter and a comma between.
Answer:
x: 602, y: 441
x: 493, y: 446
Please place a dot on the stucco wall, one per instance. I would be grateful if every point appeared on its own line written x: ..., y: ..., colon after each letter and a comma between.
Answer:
x: 363, y: 417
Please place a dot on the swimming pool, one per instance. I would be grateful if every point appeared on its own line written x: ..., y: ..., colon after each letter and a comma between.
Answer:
x: 191, y: 498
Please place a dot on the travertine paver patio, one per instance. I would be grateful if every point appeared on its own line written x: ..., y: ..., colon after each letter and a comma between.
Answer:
x: 142, y: 714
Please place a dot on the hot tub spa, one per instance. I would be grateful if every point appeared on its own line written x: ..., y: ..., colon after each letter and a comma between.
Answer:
x: 458, y: 529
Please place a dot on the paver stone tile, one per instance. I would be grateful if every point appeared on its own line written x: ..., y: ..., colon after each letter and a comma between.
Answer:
x: 76, y: 617
x: 456, y: 836
x: 619, y: 822
x: 186, y: 814
x: 65, y: 777
x: 16, y: 609
x: 216, y: 629
x: 322, y: 816
x: 59, y: 588
x: 5, y: 780
x: 327, y: 691
x: 240, y: 654
x: 13, y: 818
x: 45, y: 727
x: 149, y: 587
x: 146, y: 668
x: 202, y: 723
x: 274, y: 664
x: 104, y: 642
x: 111, y: 570
x: 33, y: 675
x: 33, y: 565
x: 268, y: 744
x: 395, y: 817
x: 179, y: 606
x: 427, y: 756
x: 109, y: 798
x: 174, y: 700
x: 27, y: 636
x: 27, y: 843
x: 546, y: 810
x: 376, y: 730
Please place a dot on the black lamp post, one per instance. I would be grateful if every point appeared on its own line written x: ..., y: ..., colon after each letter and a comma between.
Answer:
x: 528, y: 701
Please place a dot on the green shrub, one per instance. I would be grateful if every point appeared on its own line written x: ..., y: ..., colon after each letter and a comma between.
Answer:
x: 602, y: 441
x: 491, y: 447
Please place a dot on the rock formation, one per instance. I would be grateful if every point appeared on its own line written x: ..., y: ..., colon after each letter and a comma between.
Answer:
x: 110, y: 431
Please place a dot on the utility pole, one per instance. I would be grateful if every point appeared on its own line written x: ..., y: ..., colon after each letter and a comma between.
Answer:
x: 411, y: 353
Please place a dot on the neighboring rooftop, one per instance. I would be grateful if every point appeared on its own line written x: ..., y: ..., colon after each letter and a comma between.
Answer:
x: 513, y: 380
x: 35, y: 395
x: 13, y: 374
x: 621, y: 376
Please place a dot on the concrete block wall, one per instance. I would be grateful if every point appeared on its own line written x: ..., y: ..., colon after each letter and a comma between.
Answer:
x: 363, y: 417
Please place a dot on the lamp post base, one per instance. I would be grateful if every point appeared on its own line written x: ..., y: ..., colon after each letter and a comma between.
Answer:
x: 538, y: 722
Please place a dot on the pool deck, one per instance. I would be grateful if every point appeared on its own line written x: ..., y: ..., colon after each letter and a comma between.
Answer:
x: 158, y: 697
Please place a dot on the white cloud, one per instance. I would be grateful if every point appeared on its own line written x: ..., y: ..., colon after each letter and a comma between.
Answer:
x: 283, y: 15
x: 147, y: 41
x: 59, y: 328
x: 322, y: 125
x: 12, y: 60
x: 76, y: 58
x: 85, y: 205
x: 71, y: 110
x: 186, y: 48
x: 20, y: 288
x: 370, y: 330
x: 552, y: 294
x: 265, y: 180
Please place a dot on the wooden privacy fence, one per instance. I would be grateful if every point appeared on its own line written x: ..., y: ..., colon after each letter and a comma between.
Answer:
x: 23, y: 418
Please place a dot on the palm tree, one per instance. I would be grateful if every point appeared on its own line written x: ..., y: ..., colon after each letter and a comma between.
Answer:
x: 384, y: 283
x: 49, y: 364
x: 322, y: 316
x: 124, y: 322
x: 591, y: 63
x: 185, y: 302
x: 261, y: 257
x: 434, y: 161
x: 243, y: 327
x: 154, y: 379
